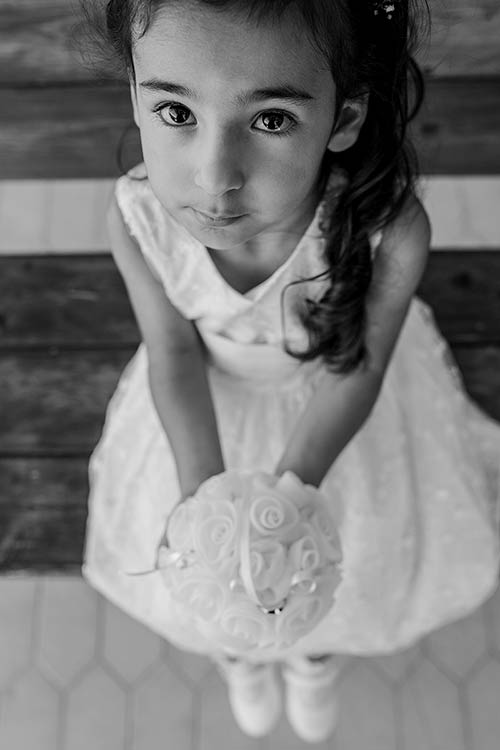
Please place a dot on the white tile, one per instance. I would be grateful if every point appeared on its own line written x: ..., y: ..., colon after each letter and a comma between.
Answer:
x: 129, y: 646
x: 193, y: 667
x: 404, y: 700
x: 396, y: 666
x: 492, y: 616
x: 17, y: 602
x: 66, y: 627
x: 484, y: 701
x: 431, y: 711
x: 366, y: 718
x: 30, y: 715
x: 413, y: 728
x: 163, y: 712
x: 96, y: 716
x: 460, y: 645
x: 283, y: 737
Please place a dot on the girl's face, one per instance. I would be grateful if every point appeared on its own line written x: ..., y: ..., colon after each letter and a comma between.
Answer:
x: 235, y: 120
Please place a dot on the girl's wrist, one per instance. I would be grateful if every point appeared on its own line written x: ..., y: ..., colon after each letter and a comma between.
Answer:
x: 307, y: 475
x: 190, y: 481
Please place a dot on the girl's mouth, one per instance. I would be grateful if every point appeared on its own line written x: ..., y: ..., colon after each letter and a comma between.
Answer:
x: 211, y: 220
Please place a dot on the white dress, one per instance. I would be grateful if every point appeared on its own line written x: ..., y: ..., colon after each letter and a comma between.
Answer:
x: 418, y: 484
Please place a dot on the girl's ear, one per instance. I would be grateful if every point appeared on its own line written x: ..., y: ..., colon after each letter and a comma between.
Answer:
x: 351, y: 119
x: 133, y: 96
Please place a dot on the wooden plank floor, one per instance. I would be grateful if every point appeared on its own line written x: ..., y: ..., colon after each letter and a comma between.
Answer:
x: 75, y: 671
x: 77, y: 129
x: 67, y: 330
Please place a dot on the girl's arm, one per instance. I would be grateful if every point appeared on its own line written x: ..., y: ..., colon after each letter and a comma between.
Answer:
x: 342, y: 403
x: 177, y: 373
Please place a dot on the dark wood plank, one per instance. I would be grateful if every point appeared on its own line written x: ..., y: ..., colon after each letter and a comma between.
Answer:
x: 65, y: 132
x: 43, y: 512
x: 43, y: 501
x: 464, y: 38
x: 77, y: 129
x: 54, y: 402
x: 38, y: 41
x: 64, y: 301
x: 79, y: 301
x: 463, y: 289
x: 54, y: 405
x: 457, y: 132
x: 35, y: 42
x: 479, y: 371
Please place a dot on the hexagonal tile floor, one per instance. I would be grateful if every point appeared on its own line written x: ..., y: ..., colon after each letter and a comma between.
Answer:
x: 78, y: 673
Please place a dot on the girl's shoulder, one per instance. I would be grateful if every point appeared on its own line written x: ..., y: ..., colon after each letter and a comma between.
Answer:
x: 134, y: 184
x: 158, y: 236
x: 137, y: 172
x: 145, y: 217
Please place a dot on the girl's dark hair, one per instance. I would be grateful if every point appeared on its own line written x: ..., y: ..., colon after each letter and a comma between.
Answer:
x: 367, y: 52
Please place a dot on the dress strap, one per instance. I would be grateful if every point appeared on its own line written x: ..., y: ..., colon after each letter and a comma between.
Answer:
x: 131, y: 193
x: 165, y: 246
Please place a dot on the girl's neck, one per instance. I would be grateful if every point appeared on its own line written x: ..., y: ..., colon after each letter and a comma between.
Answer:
x: 275, y: 245
x: 249, y: 265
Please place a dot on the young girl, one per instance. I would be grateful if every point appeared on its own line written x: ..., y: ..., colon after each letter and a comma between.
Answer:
x: 271, y: 244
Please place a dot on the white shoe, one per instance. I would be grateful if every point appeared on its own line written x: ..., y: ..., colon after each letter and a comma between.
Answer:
x: 311, y: 696
x: 254, y: 694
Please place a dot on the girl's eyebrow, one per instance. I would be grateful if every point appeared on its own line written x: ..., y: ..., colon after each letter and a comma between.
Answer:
x: 286, y: 92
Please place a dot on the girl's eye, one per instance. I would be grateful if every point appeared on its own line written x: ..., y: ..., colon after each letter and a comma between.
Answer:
x: 276, y: 122
x: 177, y: 115
x: 174, y: 114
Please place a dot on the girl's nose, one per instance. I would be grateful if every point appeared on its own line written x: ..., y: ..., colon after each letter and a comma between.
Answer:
x: 218, y: 166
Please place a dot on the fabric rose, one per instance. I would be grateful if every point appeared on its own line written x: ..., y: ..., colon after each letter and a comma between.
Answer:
x: 305, y: 553
x: 270, y: 569
x: 305, y: 611
x: 252, y: 560
x: 245, y: 626
x: 299, y: 618
x: 271, y: 514
x: 203, y: 595
x: 326, y: 534
x: 180, y: 527
x: 214, y: 531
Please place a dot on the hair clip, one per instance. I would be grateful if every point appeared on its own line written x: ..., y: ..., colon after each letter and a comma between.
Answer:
x: 385, y: 6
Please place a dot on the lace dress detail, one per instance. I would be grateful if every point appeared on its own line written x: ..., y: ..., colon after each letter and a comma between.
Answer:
x: 418, y: 486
